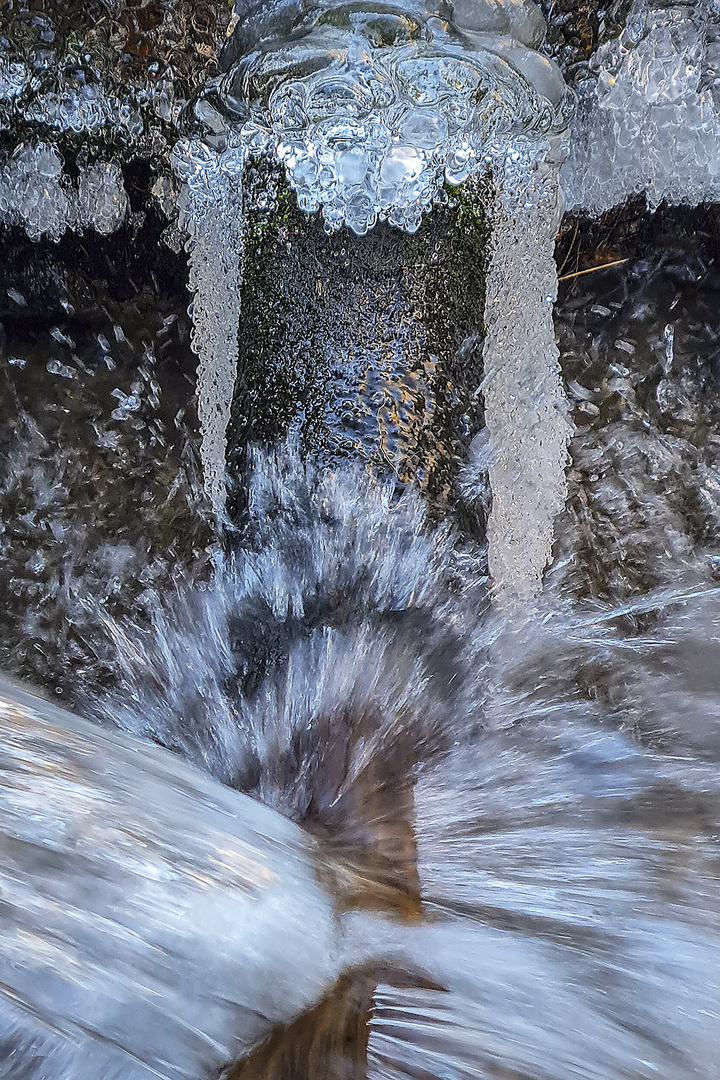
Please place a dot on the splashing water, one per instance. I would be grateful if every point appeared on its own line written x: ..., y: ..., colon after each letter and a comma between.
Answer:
x: 550, y: 848
x: 166, y: 970
x: 309, y: 632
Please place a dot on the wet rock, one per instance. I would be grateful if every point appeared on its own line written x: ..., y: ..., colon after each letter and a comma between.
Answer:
x: 365, y: 347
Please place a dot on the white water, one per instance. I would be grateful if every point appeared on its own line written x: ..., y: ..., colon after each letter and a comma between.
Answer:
x: 566, y: 864
x: 149, y: 917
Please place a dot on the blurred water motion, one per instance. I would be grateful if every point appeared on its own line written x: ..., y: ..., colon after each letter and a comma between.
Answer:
x: 142, y: 906
x: 524, y: 814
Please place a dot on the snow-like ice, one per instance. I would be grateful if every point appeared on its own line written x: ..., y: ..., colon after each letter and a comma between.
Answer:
x: 211, y: 213
x: 649, y: 111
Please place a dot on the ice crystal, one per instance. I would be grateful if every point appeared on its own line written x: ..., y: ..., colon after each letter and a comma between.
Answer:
x: 649, y: 115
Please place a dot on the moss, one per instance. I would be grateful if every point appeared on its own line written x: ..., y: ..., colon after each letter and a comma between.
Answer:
x: 369, y: 347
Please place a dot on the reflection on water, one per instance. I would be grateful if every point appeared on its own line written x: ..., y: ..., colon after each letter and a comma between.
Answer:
x: 533, y: 806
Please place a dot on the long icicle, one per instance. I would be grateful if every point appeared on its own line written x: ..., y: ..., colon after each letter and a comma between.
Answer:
x: 525, y: 405
x: 212, y: 214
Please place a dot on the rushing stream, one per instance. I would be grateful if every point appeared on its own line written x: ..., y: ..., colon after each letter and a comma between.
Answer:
x: 480, y: 733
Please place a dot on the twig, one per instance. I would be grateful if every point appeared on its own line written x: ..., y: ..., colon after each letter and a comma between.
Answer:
x: 592, y: 269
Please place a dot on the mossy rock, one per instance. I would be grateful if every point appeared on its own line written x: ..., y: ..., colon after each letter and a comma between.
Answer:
x: 367, y: 347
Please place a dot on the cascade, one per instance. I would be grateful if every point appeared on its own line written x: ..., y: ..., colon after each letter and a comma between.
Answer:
x: 437, y: 589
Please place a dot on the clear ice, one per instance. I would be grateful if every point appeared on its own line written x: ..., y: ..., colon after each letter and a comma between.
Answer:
x: 372, y: 112
x: 526, y: 415
x: 211, y: 212
x: 649, y: 111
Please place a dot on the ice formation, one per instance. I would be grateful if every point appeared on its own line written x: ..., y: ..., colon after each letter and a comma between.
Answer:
x: 525, y: 404
x: 649, y: 113
x: 35, y: 193
x: 102, y: 200
x: 370, y: 112
x: 14, y: 77
x: 211, y: 212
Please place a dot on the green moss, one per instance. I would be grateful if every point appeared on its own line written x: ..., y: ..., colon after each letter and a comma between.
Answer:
x: 370, y: 346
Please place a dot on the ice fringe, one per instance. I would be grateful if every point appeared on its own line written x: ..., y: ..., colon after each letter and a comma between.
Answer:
x: 376, y: 110
x: 649, y: 111
x: 35, y: 193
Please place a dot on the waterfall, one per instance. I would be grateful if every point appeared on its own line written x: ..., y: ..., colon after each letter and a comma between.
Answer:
x: 525, y: 406
x: 513, y: 795
x: 211, y: 212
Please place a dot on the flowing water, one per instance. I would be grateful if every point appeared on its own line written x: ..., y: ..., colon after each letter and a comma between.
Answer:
x: 512, y: 771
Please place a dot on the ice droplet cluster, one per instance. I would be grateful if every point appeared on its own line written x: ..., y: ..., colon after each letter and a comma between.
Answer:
x: 14, y: 77
x: 211, y: 213
x: 649, y: 112
x: 36, y: 194
x: 375, y: 112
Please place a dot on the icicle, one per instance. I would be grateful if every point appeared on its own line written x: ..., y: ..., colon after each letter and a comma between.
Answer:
x: 211, y: 212
x: 526, y: 412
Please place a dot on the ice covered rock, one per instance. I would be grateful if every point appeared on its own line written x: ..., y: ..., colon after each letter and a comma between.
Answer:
x: 649, y: 112
x: 371, y: 112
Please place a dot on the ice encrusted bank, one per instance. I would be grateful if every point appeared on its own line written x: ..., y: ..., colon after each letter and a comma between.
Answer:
x: 648, y: 117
